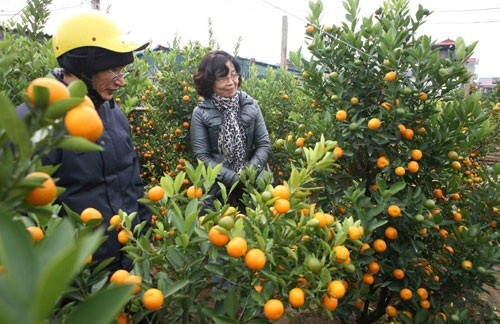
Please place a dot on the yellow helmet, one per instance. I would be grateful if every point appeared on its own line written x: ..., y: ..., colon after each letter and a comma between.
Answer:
x: 91, y: 29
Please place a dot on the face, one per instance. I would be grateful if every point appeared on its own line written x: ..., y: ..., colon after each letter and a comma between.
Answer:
x: 227, y: 86
x: 107, y: 82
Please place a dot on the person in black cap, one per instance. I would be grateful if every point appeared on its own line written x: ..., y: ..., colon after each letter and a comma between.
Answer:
x: 92, y: 48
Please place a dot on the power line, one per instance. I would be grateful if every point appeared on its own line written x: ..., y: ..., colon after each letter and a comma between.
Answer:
x: 317, y: 27
x: 466, y: 23
x: 465, y: 10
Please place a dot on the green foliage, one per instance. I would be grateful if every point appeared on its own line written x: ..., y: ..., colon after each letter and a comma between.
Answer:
x: 449, y: 206
x: 188, y: 267
x: 37, y: 275
x: 353, y: 60
x: 160, y: 125
x: 28, y: 60
x: 33, y: 18
x: 34, y: 276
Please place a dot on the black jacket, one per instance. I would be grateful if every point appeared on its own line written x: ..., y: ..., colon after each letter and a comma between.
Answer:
x: 108, y: 180
x: 206, y: 121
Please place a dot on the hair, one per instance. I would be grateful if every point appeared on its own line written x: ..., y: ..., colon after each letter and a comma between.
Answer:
x: 212, y: 66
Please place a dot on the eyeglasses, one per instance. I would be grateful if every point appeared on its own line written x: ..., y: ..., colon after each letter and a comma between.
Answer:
x: 233, y: 77
x: 118, y: 74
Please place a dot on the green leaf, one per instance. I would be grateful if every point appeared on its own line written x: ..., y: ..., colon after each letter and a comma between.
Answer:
x: 291, y: 253
x: 459, y: 49
x: 175, y: 257
x: 15, y: 238
x: 176, y: 287
x: 78, y: 144
x: 59, y: 258
x: 372, y: 212
x: 168, y: 185
x: 179, y: 181
x: 191, y: 216
x: 15, y: 128
x: 60, y: 107
x: 397, y: 187
x: 231, y: 303
x: 102, y: 306
x: 41, y: 95
x: 53, y: 279
x: 16, y: 284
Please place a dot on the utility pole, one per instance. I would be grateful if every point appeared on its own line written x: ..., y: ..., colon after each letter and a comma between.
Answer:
x: 284, y: 42
x: 96, y: 4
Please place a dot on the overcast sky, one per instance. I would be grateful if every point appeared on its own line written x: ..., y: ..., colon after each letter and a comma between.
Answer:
x: 259, y: 22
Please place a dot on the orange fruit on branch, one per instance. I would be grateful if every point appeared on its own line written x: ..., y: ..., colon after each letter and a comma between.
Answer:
x: 255, y: 259
x: 341, y: 115
x: 398, y: 274
x: 422, y: 293
x: 90, y: 213
x: 296, y: 297
x: 405, y: 294
x: 336, y: 289
x: 274, y: 309
x: 135, y: 281
x: 342, y: 254
x: 282, y: 206
x: 379, y: 245
x: 394, y: 211
x: 237, y: 247
x: 36, y: 233
x: 300, y: 142
x: 156, y: 193
x: 391, y: 233
x: 218, y: 236
x: 329, y: 302
x: 373, y: 267
x: 368, y: 279
x: 124, y: 236
x: 382, y: 162
x: 374, y: 124
x: 152, y: 299
x: 44, y: 194
x: 57, y: 90
x: 390, y: 76
x: 281, y: 191
x: 194, y: 192
x: 413, y: 166
x: 416, y: 154
x: 400, y: 171
x: 84, y: 121
x: 391, y: 311
x: 118, y: 277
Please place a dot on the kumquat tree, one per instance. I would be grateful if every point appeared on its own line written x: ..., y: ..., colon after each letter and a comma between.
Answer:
x: 378, y: 206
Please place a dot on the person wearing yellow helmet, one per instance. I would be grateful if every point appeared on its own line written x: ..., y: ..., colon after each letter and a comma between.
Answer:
x: 92, y: 48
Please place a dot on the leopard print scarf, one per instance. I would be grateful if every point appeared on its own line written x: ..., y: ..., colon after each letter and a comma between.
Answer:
x: 232, y: 137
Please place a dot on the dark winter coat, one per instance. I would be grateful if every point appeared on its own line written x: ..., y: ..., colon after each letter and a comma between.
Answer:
x: 107, y: 180
x: 206, y: 121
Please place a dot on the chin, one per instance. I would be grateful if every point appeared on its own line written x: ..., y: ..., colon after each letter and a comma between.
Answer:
x: 231, y: 93
x: 106, y: 96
